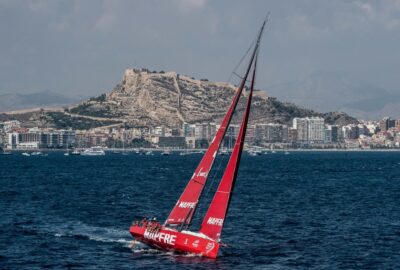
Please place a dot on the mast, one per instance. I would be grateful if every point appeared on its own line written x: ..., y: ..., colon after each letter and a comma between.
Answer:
x: 214, y: 219
x: 186, y: 205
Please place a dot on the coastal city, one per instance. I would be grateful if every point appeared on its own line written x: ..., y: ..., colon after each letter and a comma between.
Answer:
x: 199, y: 134
x: 304, y: 133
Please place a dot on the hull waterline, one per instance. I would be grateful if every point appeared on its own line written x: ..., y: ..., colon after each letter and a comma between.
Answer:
x: 168, y: 239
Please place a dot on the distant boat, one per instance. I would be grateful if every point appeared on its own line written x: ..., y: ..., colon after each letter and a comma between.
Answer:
x: 76, y: 152
x: 140, y: 152
x: 187, y: 152
x: 255, y: 153
x: 26, y: 154
x: 149, y: 153
x: 38, y: 153
x: 93, y: 151
x: 166, y: 153
x: 66, y: 154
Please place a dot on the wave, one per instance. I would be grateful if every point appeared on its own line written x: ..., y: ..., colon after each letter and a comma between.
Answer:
x: 82, y: 231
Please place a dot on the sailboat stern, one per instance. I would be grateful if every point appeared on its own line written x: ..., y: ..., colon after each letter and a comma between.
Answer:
x: 168, y: 239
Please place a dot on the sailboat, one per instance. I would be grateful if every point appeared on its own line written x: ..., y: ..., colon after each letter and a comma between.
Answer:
x: 175, y: 234
x: 166, y: 152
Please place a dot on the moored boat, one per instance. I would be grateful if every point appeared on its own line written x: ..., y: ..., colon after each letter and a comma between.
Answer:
x: 166, y: 153
x: 255, y: 153
x: 93, y: 151
x: 76, y: 152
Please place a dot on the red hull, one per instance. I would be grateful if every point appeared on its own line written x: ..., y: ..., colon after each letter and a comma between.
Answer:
x: 164, y: 238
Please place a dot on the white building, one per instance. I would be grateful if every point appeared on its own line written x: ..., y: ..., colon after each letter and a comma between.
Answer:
x: 310, y: 129
x: 301, y: 125
x: 316, y: 129
x: 270, y: 132
x: 205, y: 131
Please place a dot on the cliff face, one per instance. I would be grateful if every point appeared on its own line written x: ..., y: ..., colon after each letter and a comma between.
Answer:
x: 148, y: 99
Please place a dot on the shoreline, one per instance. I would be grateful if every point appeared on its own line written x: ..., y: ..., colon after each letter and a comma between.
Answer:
x: 197, y: 150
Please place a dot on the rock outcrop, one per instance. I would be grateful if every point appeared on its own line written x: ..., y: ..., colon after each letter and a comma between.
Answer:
x: 147, y: 98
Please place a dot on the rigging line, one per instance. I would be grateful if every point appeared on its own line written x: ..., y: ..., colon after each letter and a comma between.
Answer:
x: 266, y: 20
x: 242, y: 59
x: 255, y: 42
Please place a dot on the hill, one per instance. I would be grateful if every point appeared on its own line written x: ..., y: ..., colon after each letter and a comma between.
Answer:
x: 145, y: 98
x: 10, y: 102
x: 333, y: 91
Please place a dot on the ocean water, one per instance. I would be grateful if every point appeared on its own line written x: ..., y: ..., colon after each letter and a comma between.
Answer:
x: 306, y: 210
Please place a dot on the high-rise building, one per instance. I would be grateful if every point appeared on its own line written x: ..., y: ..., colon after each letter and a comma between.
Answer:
x: 351, y: 132
x: 398, y: 124
x: 310, y: 129
x: 250, y: 134
x: 44, y: 139
x: 205, y: 131
x: 335, y: 134
x: 386, y: 123
x: 316, y: 129
x: 328, y: 134
x: 301, y: 125
x: 331, y: 134
x: 270, y: 132
x: 292, y: 135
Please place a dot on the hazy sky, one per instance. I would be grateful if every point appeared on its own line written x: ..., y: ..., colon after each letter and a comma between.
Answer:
x: 83, y: 47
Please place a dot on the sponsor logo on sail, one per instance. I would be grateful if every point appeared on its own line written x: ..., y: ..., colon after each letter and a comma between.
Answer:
x: 215, y: 221
x: 161, y: 237
x: 202, y: 174
x: 187, y: 204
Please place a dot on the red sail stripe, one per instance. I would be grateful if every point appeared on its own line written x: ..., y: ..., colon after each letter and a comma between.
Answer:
x: 184, y: 208
x: 214, y: 219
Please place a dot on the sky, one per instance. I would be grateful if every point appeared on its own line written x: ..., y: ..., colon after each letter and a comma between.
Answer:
x: 81, y: 48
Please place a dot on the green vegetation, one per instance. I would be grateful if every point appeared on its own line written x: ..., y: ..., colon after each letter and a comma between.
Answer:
x: 63, y: 121
x: 87, y: 109
x: 138, y: 143
x: 100, y: 98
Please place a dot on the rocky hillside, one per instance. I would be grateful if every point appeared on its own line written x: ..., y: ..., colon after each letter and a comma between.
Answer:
x: 147, y: 98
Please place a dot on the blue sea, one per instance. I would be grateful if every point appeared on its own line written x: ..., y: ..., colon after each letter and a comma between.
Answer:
x: 306, y: 210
